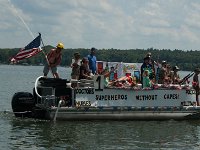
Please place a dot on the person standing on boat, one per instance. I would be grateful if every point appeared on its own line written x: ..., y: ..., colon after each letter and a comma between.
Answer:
x: 92, y: 61
x: 53, y: 60
x: 76, y: 63
x: 151, y: 61
x: 195, y: 84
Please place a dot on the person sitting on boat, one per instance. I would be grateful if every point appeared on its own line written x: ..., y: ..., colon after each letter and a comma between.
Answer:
x: 147, y: 83
x: 162, y: 73
x: 105, y: 71
x: 106, y: 75
x: 147, y: 66
x: 53, y: 60
x: 92, y: 61
x: 175, y: 76
x: 169, y: 74
x: 124, y: 82
x: 131, y: 81
x: 84, y: 70
x: 112, y: 74
x: 106, y: 68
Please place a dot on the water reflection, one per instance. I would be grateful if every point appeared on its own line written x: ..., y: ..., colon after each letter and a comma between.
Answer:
x: 36, y: 134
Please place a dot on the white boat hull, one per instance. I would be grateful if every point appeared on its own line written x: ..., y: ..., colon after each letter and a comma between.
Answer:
x: 93, y: 101
x: 120, y: 114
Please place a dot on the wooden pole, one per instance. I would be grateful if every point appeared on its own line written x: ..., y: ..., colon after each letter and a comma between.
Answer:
x: 45, y: 55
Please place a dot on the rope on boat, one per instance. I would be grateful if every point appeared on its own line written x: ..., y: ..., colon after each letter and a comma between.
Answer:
x: 54, y: 119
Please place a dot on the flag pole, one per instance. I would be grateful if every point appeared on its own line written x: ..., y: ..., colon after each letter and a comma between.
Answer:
x: 44, y: 52
x: 46, y: 56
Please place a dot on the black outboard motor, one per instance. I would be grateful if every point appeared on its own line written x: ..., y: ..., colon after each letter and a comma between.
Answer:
x: 23, y: 104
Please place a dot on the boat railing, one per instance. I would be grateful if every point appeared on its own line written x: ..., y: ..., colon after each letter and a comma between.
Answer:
x: 154, y: 87
x: 47, y: 98
x: 91, y: 83
x: 82, y: 83
x: 49, y: 101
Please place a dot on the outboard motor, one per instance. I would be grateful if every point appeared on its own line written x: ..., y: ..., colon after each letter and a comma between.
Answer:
x: 23, y: 104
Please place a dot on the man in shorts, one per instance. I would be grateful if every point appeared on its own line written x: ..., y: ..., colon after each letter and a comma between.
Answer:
x: 92, y: 61
x: 53, y: 60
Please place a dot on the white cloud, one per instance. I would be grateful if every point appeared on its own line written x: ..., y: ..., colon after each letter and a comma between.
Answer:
x: 102, y: 23
x: 193, y: 15
x: 186, y: 33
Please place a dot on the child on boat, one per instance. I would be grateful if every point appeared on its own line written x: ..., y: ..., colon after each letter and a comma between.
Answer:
x: 146, y: 82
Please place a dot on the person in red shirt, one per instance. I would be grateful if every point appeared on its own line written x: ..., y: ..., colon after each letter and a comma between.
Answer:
x: 53, y: 60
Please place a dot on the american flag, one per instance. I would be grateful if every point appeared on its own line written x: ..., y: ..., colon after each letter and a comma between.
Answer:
x: 30, y: 50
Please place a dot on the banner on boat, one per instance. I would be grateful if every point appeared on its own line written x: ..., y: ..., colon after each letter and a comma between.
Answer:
x: 120, y: 69
x: 137, y: 98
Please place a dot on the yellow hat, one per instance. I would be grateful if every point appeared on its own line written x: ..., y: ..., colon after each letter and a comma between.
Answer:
x: 60, y: 45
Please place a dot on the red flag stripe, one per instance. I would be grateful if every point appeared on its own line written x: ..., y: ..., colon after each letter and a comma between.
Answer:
x: 27, y: 54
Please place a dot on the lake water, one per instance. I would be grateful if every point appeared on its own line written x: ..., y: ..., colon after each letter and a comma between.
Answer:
x: 31, y: 134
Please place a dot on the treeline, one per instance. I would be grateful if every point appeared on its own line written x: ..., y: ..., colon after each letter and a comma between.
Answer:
x: 186, y: 60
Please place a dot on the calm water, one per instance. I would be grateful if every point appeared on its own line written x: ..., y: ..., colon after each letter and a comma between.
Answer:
x: 83, y: 135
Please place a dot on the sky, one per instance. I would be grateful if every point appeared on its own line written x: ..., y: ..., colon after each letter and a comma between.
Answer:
x: 120, y: 24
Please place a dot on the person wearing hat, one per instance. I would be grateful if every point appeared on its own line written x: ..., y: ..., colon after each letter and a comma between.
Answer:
x: 195, y: 84
x: 92, y: 61
x: 151, y: 61
x: 147, y: 66
x: 76, y: 63
x: 53, y: 60
x: 175, y: 76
